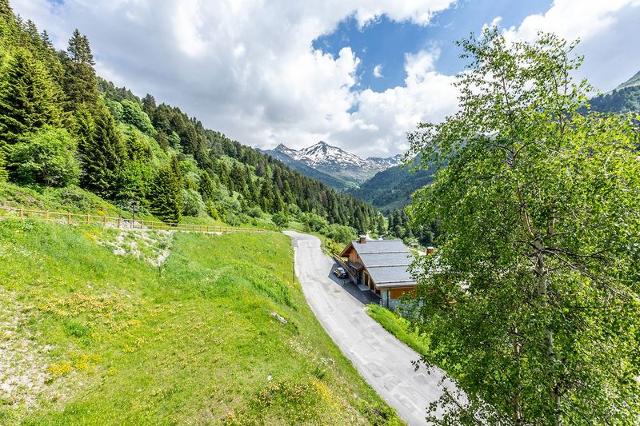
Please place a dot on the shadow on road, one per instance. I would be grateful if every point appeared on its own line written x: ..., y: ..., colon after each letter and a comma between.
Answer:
x: 364, y: 297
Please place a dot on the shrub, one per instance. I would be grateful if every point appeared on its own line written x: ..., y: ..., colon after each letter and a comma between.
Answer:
x: 133, y: 114
x: 193, y: 204
x: 254, y: 212
x: 341, y: 233
x: 45, y: 157
x: 314, y: 222
x: 280, y: 220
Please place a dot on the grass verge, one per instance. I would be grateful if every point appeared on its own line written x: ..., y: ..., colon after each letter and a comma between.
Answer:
x: 400, y: 328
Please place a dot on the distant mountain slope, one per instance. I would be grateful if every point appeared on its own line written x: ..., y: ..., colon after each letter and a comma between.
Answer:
x: 348, y: 168
x: 392, y: 188
x: 624, y: 98
x: 301, y: 167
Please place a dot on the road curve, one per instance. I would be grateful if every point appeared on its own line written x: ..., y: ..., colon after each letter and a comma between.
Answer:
x: 383, y: 361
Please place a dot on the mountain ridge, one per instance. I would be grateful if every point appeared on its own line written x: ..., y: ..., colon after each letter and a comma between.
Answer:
x: 333, y: 163
x: 623, y: 99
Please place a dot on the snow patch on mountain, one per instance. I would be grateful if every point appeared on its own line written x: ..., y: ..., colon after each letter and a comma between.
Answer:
x: 323, y: 155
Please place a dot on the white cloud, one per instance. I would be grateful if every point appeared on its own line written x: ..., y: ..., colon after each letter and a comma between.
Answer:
x: 248, y: 68
x: 245, y: 67
x: 608, y: 32
x: 377, y: 71
x: 383, y: 119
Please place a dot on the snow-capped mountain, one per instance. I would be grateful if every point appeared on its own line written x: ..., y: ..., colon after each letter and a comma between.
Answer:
x: 337, y: 162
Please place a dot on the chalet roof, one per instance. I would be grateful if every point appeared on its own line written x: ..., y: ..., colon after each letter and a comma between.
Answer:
x: 387, y: 261
x: 380, y: 246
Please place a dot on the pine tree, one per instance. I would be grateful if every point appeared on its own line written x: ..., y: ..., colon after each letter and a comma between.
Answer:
x: 80, y: 81
x: 5, y: 10
x: 28, y: 98
x: 166, y: 193
x: 3, y: 171
x: 101, y: 152
x: 149, y: 105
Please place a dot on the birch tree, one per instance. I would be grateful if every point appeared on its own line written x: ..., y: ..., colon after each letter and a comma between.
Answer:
x: 532, y: 300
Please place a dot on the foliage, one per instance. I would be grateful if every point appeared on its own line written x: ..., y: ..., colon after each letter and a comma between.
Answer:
x: 167, y: 200
x: 280, y: 220
x: 28, y: 98
x: 46, y: 157
x: 192, y: 203
x: 101, y: 151
x: 80, y: 82
x: 533, y: 297
x: 340, y: 233
x: 133, y: 114
x: 314, y: 223
x: 3, y: 170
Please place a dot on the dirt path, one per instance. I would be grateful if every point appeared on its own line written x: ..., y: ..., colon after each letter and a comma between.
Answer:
x: 381, y: 359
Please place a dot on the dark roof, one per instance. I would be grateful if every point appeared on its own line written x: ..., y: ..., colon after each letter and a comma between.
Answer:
x: 380, y: 246
x: 371, y: 260
x: 387, y: 261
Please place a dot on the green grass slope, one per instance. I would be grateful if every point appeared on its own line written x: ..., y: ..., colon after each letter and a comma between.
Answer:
x: 93, y: 331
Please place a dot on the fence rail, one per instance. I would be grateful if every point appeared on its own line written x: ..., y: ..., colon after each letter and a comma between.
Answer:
x: 69, y: 218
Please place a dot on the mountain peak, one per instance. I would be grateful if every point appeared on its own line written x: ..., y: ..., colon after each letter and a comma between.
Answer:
x: 337, y: 162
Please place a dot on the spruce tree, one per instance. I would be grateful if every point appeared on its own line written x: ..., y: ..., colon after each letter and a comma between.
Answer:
x: 80, y: 81
x: 5, y: 10
x: 3, y: 171
x: 28, y: 98
x: 101, y: 152
x: 166, y: 193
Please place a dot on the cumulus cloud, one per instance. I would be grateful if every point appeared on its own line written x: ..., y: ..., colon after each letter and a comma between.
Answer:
x: 248, y: 67
x: 245, y: 67
x: 607, y: 30
x: 377, y: 71
x: 383, y: 118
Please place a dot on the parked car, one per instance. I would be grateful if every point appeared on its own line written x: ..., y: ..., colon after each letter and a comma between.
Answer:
x: 340, y: 272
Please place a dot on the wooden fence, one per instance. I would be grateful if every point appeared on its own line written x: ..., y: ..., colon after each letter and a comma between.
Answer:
x: 68, y: 218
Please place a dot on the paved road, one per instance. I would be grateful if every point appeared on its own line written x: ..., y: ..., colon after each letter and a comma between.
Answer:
x: 381, y: 359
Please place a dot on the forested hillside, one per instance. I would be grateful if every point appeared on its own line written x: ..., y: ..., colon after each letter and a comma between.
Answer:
x: 624, y: 98
x: 61, y: 125
x: 392, y: 188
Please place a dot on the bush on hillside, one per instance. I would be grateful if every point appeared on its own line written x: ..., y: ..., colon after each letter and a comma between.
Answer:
x: 45, y: 157
x: 314, y: 222
x: 280, y: 220
x: 133, y: 114
x: 254, y: 212
x: 340, y: 233
x: 193, y: 204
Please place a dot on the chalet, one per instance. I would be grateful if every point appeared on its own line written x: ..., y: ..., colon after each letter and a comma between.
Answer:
x: 382, y: 266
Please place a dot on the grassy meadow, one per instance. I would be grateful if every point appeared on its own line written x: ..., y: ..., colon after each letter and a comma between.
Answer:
x: 97, y: 327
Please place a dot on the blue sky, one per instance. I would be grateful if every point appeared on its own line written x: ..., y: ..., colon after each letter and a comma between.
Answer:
x: 384, y: 42
x: 296, y: 72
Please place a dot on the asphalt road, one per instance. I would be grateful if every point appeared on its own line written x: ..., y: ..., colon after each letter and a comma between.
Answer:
x: 383, y: 361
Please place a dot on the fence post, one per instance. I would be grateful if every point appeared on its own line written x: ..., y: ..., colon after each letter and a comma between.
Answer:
x: 119, y: 222
x: 69, y: 218
x: 21, y: 213
x: 87, y: 218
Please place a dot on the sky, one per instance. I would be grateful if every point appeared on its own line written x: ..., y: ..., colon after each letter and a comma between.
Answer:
x: 358, y: 74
